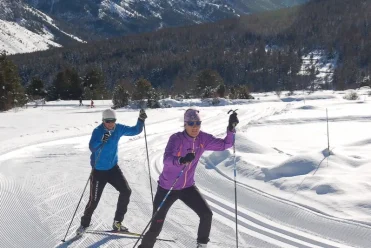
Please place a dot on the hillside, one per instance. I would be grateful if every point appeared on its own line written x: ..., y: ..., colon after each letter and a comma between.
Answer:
x: 28, y: 25
x: 264, y: 51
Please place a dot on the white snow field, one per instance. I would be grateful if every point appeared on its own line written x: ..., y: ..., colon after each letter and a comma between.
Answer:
x: 292, y: 192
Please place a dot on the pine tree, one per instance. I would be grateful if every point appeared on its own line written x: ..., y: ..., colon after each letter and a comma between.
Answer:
x: 59, y: 88
x: 35, y: 89
x: 121, y: 96
x: 11, y: 91
x: 142, y: 90
x: 94, y: 85
x: 153, y: 99
x: 74, y: 84
x: 221, y: 90
x: 207, y: 82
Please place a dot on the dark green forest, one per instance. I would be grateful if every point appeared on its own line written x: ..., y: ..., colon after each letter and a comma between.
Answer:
x: 260, y: 52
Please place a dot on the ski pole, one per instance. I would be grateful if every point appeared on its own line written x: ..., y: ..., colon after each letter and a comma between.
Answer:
x: 235, y: 175
x: 161, y: 204
x: 149, y: 168
x: 64, y: 239
x: 167, y: 194
x: 235, y: 185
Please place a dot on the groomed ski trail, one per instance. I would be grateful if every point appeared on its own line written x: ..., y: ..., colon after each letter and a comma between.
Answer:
x: 43, y: 182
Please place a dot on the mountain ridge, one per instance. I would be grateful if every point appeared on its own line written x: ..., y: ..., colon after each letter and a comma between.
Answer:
x: 68, y: 22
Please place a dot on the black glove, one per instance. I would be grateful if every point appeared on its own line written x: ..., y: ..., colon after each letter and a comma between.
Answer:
x: 142, y: 115
x: 106, y: 137
x: 233, y: 121
x: 187, y: 159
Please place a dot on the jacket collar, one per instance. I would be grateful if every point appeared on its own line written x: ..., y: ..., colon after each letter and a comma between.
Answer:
x: 189, y: 138
x: 106, y: 130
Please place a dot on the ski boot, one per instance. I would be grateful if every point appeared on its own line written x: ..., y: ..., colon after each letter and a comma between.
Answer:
x: 81, y: 230
x: 199, y: 245
x: 117, y: 226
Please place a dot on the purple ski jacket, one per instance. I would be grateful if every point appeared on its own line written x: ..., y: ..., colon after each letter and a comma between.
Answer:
x: 178, y: 146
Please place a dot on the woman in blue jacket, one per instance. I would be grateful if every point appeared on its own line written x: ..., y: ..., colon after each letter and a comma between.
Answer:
x: 103, y: 146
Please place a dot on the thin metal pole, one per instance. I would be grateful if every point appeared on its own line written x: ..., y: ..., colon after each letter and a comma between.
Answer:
x: 328, y: 134
x: 161, y: 204
x: 149, y: 168
x: 235, y: 175
x: 235, y: 186
x: 64, y: 239
x: 167, y: 194
x: 77, y: 207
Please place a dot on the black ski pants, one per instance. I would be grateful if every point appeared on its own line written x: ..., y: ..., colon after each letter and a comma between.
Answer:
x: 192, y: 198
x: 98, y: 180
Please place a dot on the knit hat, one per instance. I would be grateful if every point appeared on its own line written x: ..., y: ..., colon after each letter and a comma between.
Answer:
x: 192, y: 115
x: 108, y: 114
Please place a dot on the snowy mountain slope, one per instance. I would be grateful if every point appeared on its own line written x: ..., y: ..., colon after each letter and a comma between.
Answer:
x: 17, y: 39
x: 106, y: 18
x: 60, y: 23
x: 24, y: 29
x: 44, y: 165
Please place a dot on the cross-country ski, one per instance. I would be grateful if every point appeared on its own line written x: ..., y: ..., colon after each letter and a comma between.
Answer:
x: 124, y: 234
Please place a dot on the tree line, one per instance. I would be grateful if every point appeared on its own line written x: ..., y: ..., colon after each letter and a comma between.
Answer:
x: 262, y: 52
x: 68, y: 84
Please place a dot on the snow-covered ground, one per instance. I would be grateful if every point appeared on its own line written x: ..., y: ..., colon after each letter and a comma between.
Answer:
x: 292, y: 192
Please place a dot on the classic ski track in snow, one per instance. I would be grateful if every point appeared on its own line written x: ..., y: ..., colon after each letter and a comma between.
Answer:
x: 58, y: 193
x: 253, y: 223
x: 307, y: 238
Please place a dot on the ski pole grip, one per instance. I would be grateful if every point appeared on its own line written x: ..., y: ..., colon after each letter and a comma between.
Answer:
x: 233, y: 111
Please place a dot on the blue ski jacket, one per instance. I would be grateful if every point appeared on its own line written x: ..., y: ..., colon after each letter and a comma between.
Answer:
x: 108, y: 152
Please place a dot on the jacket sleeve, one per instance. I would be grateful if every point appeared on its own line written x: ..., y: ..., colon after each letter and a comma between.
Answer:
x: 95, y: 141
x: 171, y: 156
x: 216, y: 144
x: 131, y: 131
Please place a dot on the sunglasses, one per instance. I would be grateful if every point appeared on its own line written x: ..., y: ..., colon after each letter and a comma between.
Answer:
x: 110, y: 120
x: 192, y: 123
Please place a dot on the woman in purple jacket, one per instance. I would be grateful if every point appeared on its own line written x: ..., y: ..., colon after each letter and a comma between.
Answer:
x: 185, y: 149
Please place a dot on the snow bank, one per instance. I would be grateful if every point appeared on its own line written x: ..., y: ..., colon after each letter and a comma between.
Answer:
x: 294, y: 166
x: 245, y: 145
